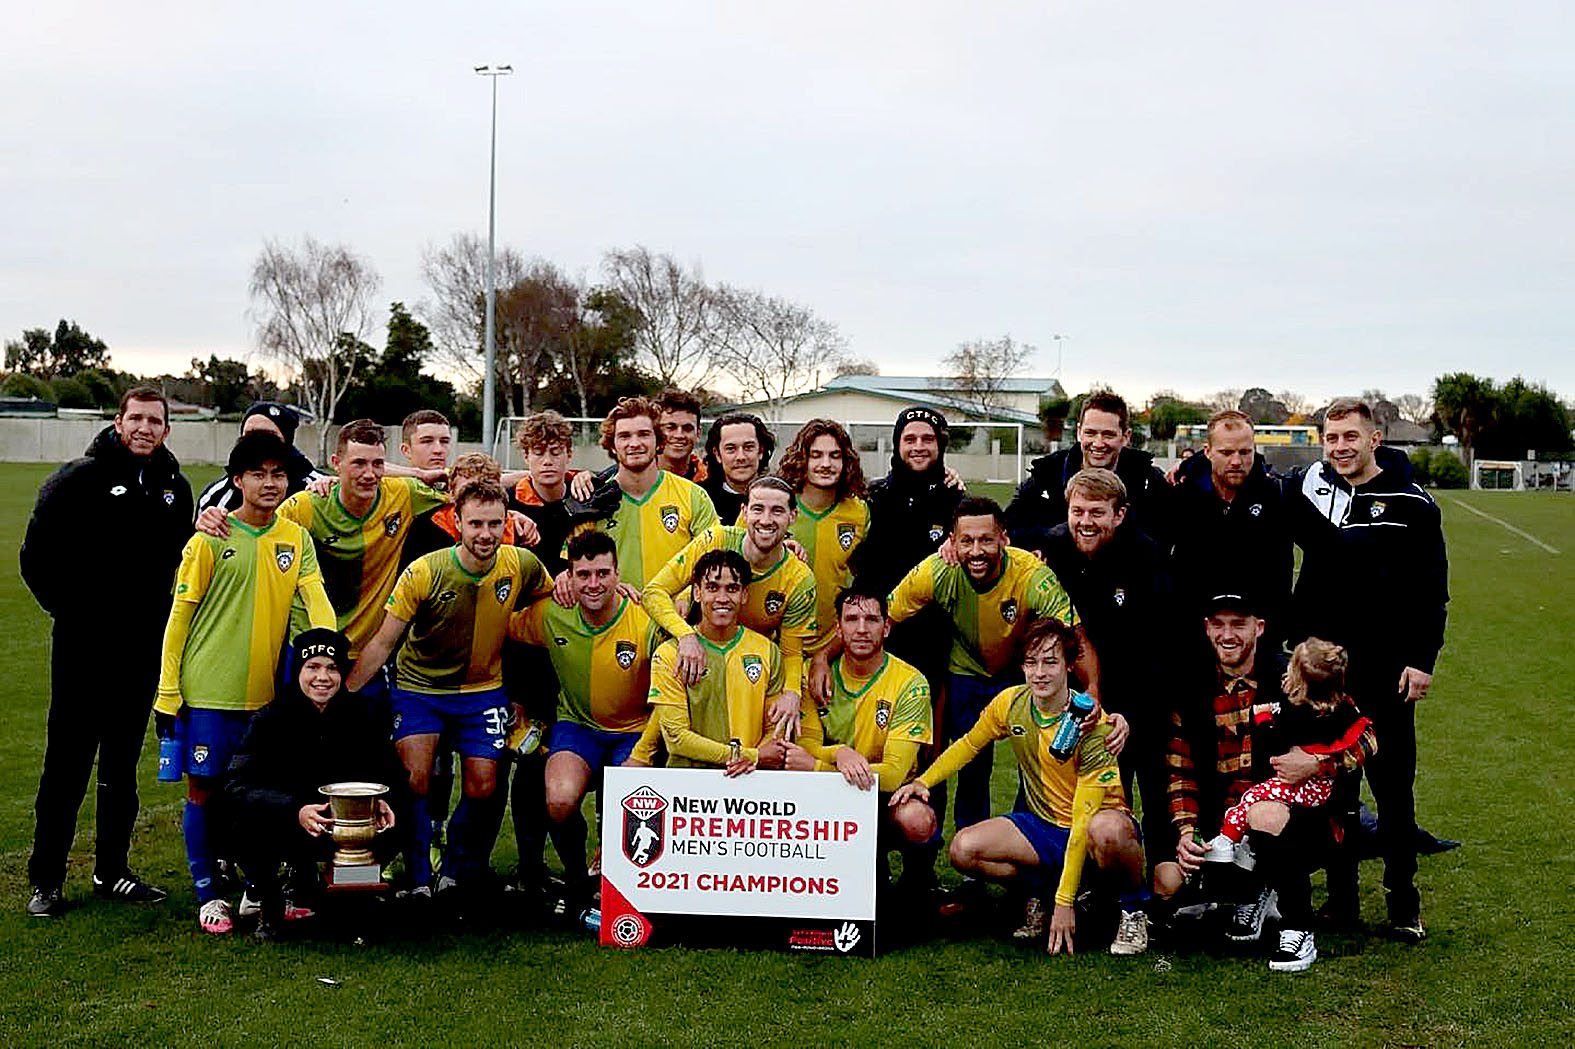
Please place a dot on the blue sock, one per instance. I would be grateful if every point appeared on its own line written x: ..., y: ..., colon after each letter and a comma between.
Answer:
x: 461, y: 831
x: 420, y: 843
x: 199, y: 857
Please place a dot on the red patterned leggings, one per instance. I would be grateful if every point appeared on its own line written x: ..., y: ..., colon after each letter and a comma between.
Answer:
x: 1309, y: 794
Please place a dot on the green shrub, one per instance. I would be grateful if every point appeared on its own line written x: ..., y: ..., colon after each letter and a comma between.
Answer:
x: 1448, y: 471
x: 21, y: 384
x: 72, y: 393
x: 1422, y: 466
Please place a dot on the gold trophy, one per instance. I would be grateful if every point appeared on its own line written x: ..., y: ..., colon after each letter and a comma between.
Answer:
x: 353, y: 806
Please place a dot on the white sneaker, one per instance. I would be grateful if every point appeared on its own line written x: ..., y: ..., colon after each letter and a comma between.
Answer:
x: 214, y: 917
x: 1221, y: 850
x: 1296, y: 954
x: 1131, y: 934
x: 1244, y: 857
x: 249, y: 907
x: 1033, y: 927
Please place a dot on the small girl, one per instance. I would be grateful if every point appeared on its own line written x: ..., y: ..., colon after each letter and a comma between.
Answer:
x: 1318, y: 717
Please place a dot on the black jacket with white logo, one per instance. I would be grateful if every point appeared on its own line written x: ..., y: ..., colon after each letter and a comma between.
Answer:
x: 109, y: 527
x: 1040, y: 502
x: 1374, y: 575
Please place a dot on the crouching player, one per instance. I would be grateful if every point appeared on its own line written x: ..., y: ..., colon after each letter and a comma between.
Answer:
x: 740, y: 678
x: 1074, y: 802
x: 314, y: 733
x: 227, y: 626
x: 457, y: 603
x: 601, y: 653
x: 876, y: 720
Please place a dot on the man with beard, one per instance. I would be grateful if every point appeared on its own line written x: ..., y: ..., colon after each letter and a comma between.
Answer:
x: 1104, y: 437
x: 456, y: 604
x: 738, y: 449
x: 126, y: 501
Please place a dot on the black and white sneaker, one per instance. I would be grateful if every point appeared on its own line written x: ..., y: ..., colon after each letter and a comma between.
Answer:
x: 128, y: 888
x: 46, y: 903
x: 1296, y: 954
x: 1246, y: 925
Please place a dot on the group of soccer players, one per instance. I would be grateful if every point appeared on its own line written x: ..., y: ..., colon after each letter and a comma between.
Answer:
x: 890, y: 632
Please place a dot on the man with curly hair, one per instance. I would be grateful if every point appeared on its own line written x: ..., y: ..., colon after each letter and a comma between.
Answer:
x: 823, y: 468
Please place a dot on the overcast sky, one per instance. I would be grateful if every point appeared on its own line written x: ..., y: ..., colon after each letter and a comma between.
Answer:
x: 1325, y: 197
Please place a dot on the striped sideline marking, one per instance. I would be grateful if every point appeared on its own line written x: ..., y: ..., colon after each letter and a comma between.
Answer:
x: 1500, y: 521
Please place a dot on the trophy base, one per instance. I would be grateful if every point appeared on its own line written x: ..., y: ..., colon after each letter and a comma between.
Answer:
x: 355, y: 876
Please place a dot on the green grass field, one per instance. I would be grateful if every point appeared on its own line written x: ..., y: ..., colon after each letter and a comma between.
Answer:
x: 1494, y: 971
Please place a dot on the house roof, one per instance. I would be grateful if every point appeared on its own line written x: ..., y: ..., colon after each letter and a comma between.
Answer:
x: 928, y: 383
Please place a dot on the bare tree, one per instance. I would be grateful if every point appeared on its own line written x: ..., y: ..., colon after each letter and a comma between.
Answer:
x: 536, y: 316
x: 1223, y: 401
x: 773, y: 347
x: 1414, y: 408
x: 1298, y: 405
x: 456, y: 314
x: 308, y: 303
x: 678, y: 315
x: 979, y: 370
x: 856, y: 366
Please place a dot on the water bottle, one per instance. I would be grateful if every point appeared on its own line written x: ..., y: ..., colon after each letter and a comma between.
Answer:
x: 591, y: 919
x: 1070, y: 732
x: 172, y: 755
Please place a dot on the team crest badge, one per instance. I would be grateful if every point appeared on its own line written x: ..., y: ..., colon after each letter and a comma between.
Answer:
x: 882, y: 715
x: 644, y: 826
x: 1377, y: 509
x: 199, y: 754
x: 169, y: 497
x: 775, y: 599
x: 1121, y: 597
x: 502, y: 589
x: 670, y: 518
x: 845, y: 536
x: 1256, y: 509
x: 391, y: 524
x: 284, y: 557
x: 936, y: 531
x: 1009, y: 610
x: 624, y: 652
x: 753, y: 669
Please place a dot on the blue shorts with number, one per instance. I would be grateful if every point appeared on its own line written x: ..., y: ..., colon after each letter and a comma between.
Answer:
x: 596, y: 747
x: 211, y: 739
x: 477, y: 722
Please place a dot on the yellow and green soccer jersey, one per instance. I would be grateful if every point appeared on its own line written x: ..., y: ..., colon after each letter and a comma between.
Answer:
x: 458, y: 620
x: 779, y: 603
x: 231, y: 615
x: 886, y: 717
x: 729, y: 702
x: 829, y: 539
x: 649, y: 531
x: 987, y: 622
x: 604, y: 673
x: 360, y: 555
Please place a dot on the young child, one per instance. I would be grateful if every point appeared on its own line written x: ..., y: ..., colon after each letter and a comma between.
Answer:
x: 1318, y: 717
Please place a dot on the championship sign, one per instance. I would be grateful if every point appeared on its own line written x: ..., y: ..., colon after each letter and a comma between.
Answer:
x: 787, y: 858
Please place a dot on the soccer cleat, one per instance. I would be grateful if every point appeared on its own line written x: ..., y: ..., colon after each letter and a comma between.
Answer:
x: 46, y: 903
x: 1296, y: 954
x: 1221, y: 850
x: 1409, y: 931
x: 129, y: 888
x: 1033, y: 927
x: 214, y: 917
x: 295, y: 911
x: 1246, y: 925
x: 1131, y: 934
x: 249, y: 908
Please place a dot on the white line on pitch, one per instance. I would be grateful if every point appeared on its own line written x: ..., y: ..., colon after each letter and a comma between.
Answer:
x: 1500, y: 521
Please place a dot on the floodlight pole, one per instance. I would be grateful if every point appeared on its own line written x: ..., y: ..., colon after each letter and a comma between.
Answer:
x: 489, y: 391
x: 1059, y: 339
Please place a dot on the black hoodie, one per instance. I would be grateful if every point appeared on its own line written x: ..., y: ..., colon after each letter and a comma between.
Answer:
x: 1040, y: 502
x: 910, y: 513
x: 109, y: 526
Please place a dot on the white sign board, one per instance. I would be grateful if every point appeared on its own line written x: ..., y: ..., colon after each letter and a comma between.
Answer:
x: 795, y: 846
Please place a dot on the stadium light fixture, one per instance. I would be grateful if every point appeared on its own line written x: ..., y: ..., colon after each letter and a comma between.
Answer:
x: 489, y: 384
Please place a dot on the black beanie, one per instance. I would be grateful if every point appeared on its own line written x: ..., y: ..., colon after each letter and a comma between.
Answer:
x: 281, y: 416
x: 320, y: 641
x: 917, y: 414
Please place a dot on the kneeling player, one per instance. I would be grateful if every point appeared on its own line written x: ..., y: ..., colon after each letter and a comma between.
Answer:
x: 876, y: 720
x: 457, y: 604
x: 740, y: 679
x: 1074, y: 802
x: 601, y: 652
